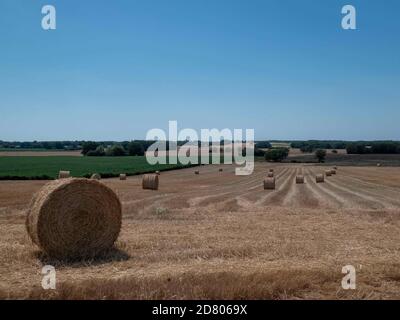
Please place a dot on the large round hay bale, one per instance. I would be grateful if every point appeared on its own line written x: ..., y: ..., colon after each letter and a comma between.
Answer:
x: 64, y: 174
x: 319, y: 178
x: 95, y: 176
x: 270, y: 175
x: 122, y: 176
x: 328, y: 173
x: 333, y: 171
x: 74, y: 218
x: 150, y: 182
x: 269, y: 183
x: 299, y: 179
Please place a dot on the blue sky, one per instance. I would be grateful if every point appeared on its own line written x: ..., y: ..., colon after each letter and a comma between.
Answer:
x: 115, y: 69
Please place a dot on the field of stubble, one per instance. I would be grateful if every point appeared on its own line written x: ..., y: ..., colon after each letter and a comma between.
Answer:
x: 221, y: 236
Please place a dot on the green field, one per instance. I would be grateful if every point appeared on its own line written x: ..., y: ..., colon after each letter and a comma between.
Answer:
x: 15, y: 168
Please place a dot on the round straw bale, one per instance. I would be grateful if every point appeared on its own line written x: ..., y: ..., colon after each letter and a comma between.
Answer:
x: 270, y: 175
x: 74, y: 218
x: 269, y: 183
x: 95, y: 176
x: 333, y: 171
x: 150, y: 181
x: 300, y: 179
x: 319, y: 178
x: 122, y: 176
x: 328, y: 173
x: 64, y: 174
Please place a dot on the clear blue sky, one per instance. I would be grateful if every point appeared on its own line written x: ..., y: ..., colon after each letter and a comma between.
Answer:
x: 114, y: 69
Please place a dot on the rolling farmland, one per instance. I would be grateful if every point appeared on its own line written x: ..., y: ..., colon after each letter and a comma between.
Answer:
x: 219, y: 236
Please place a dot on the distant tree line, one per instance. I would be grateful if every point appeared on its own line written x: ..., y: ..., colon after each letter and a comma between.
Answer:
x: 263, y: 144
x: 125, y: 148
x: 276, y: 154
x: 48, y: 145
x: 375, y: 147
x: 355, y: 147
x: 139, y: 147
x: 312, y: 145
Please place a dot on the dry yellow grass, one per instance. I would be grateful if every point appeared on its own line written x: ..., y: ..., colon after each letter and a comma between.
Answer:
x: 225, y: 237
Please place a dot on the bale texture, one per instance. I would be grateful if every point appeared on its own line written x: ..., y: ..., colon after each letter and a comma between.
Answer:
x: 150, y: 182
x: 300, y: 179
x: 122, y: 176
x: 319, y: 178
x: 95, y: 176
x: 328, y: 173
x: 74, y: 218
x: 64, y: 174
x: 333, y: 171
x: 270, y: 174
x: 269, y: 183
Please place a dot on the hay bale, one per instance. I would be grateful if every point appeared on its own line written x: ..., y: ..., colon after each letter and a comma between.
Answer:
x: 378, y: 165
x: 270, y: 175
x: 74, y: 218
x: 319, y: 178
x: 299, y: 179
x: 269, y: 183
x: 95, y: 176
x: 328, y: 173
x: 197, y: 172
x: 122, y: 176
x: 150, y: 182
x: 333, y: 171
x: 64, y: 174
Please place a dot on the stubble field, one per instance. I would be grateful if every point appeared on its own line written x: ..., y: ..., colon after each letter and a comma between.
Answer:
x: 221, y: 236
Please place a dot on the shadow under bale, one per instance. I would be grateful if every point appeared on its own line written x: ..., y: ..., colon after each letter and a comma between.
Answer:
x: 110, y: 255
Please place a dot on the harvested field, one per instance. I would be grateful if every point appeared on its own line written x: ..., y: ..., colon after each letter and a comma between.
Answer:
x: 221, y: 236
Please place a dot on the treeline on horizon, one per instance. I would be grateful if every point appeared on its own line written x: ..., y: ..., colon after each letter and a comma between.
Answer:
x: 352, y: 147
x: 138, y: 147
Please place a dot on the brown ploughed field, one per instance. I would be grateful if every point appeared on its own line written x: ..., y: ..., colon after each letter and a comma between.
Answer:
x: 220, y: 236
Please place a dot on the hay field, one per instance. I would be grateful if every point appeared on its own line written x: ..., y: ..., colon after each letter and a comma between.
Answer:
x: 220, y: 236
